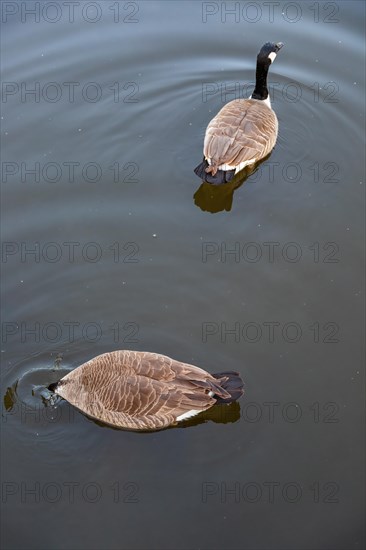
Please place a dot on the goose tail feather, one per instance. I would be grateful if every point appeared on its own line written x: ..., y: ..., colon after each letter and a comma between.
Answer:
x: 206, y: 173
x: 232, y: 383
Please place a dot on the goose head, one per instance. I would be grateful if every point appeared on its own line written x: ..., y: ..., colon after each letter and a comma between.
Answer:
x: 267, y: 53
x: 266, y: 56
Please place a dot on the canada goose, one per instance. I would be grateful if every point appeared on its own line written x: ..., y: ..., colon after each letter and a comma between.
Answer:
x: 244, y: 131
x: 144, y: 391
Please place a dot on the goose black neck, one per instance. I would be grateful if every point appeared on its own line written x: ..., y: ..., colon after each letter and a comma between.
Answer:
x: 261, y: 90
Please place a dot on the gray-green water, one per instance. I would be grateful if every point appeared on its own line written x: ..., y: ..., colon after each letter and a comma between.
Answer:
x: 110, y: 243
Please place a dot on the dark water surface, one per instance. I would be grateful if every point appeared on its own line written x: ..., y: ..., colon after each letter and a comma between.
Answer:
x: 129, y: 252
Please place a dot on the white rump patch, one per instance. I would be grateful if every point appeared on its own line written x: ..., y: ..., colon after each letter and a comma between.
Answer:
x: 187, y: 414
x: 272, y: 56
x: 237, y: 169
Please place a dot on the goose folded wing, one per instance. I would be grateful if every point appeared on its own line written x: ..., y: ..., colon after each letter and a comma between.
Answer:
x: 140, y: 396
x: 244, y: 130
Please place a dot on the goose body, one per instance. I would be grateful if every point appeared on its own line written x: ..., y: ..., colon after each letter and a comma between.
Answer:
x: 144, y: 391
x: 244, y: 131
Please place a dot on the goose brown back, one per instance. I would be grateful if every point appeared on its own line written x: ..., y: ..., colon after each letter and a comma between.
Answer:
x: 244, y: 131
x: 145, y: 391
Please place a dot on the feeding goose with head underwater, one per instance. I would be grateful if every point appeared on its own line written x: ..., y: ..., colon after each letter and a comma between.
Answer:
x: 139, y: 390
x: 244, y: 131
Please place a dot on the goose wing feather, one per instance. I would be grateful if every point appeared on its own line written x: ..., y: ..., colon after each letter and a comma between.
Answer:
x: 138, y: 390
x: 244, y: 130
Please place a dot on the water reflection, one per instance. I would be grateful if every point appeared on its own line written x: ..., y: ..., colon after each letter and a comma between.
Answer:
x: 220, y: 414
x: 10, y: 397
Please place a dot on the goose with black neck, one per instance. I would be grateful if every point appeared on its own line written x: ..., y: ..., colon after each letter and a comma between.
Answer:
x: 244, y: 131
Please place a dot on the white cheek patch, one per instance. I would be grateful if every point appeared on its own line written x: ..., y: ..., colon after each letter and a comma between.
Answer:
x: 272, y: 56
